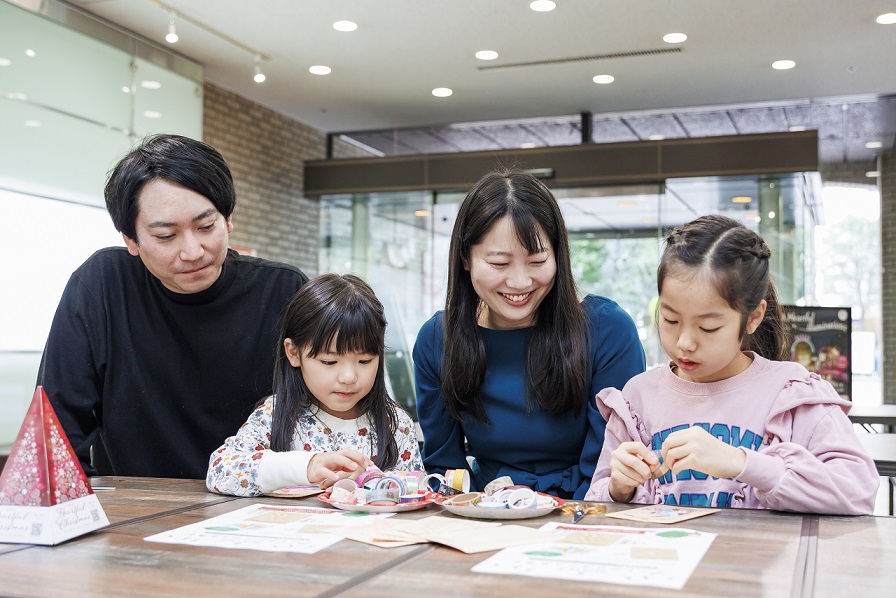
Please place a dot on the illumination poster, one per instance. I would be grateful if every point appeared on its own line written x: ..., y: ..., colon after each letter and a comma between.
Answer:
x: 820, y: 338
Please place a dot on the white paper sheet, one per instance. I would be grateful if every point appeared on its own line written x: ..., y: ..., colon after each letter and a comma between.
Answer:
x: 661, y: 558
x: 268, y: 527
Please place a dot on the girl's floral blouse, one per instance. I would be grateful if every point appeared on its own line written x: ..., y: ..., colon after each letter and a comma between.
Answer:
x: 233, y: 468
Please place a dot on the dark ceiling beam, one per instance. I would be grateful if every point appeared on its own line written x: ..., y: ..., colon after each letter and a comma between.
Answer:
x: 574, y: 165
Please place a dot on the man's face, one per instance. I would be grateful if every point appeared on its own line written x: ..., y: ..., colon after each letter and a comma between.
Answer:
x: 181, y: 237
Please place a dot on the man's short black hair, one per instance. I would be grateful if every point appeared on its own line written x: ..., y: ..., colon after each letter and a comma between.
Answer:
x: 189, y: 163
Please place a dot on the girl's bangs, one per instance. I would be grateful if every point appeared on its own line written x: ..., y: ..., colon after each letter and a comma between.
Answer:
x: 351, y: 330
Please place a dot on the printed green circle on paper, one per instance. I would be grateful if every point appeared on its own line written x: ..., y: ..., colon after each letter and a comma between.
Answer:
x: 672, y: 534
x: 544, y: 553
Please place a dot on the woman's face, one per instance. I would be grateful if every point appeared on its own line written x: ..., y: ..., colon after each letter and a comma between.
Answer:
x: 509, y: 280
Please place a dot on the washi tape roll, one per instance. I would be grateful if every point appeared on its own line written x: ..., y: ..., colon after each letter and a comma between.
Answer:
x: 414, y: 480
x: 522, y: 498
x: 446, y: 490
x: 392, y: 481
x: 433, y: 476
x: 383, y: 497
x: 342, y: 495
x: 498, y: 484
x: 463, y: 500
x: 411, y: 498
x: 346, y: 484
x: 369, y: 476
x: 458, y: 479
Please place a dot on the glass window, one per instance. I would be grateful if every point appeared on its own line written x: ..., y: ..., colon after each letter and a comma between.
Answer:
x: 70, y: 107
x: 399, y: 242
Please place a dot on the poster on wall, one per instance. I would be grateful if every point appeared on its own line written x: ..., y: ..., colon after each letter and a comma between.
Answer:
x: 820, y: 339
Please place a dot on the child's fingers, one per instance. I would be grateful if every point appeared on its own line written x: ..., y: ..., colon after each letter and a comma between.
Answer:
x: 358, y: 459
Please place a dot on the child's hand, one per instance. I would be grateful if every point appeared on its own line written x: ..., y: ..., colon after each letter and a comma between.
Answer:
x: 325, y: 468
x: 695, y: 448
x: 630, y: 466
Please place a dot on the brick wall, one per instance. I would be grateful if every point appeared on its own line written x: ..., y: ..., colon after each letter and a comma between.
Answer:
x: 887, y: 186
x: 265, y: 151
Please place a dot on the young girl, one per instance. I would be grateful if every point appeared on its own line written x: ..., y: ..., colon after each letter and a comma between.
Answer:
x: 735, y: 425
x: 330, y: 415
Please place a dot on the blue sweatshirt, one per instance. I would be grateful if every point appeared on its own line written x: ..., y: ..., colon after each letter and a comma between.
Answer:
x: 552, y: 454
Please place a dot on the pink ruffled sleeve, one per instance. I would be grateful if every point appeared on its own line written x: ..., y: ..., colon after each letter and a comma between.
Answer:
x: 623, y: 425
x: 814, y: 462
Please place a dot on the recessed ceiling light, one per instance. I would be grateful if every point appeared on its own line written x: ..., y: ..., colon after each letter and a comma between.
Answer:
x: 5, y: 61
x: 874, y: 144
x: 872, y: 174
x: 674, y: 38
x: 626, y: 204
x: 441, y: 92
x: 783, y: 65
x: 603, y: 79
x: 657, y: 137
x: 32, y: 123
x: 648, y: 220
x: 30, y: 53
x: 126, y: 89
x: 320, y: 69
x: 771, y: 215
x: 741, y: 199
x: 887, y: 18
x: 152, y: 114
x: 797, y: 128
x: 527, y: 145
x: 345, y: 26
x: 150, y: 85
x: 421, y: 212
x: 486, y: 54
x: 543, y: 6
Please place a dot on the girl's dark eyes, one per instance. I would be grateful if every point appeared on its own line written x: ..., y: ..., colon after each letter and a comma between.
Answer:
x: 711, y: 330
x: 365, y: 361
x: 668, y: 321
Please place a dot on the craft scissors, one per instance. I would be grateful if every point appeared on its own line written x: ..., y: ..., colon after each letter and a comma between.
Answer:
x: 578, y: 509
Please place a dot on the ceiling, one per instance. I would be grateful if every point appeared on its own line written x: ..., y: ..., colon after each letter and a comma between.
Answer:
x: 717, y: 82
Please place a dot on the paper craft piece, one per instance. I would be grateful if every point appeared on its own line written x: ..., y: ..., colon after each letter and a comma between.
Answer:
x: 463, y: 535
x: 661, y: 558
x: 296, y: 491
x: 661, y: 514
x: 45, y: 498
x: 268, y: 527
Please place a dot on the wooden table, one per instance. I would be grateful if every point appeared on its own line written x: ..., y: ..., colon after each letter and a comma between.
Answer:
x: 756, y: 553
x: 869, y: 415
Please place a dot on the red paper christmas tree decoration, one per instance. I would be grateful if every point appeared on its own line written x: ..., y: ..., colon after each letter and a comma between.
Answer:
x: 43, y: 476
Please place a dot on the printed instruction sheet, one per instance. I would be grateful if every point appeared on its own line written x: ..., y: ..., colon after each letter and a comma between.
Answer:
x: 660, y: 558
x: 268, y: 527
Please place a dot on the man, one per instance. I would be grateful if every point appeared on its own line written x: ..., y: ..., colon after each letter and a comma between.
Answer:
x: 159, y: 351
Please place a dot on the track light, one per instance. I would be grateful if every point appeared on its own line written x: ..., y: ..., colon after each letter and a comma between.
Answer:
x: 259, y: 76
x: 171, y: 38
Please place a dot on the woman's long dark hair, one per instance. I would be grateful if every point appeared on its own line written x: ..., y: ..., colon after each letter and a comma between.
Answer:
x: 327, y: 308
x: 737, y: 262
x: 557, y: 362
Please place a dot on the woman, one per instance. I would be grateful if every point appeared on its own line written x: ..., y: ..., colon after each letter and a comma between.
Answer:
x: 513, y: 363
